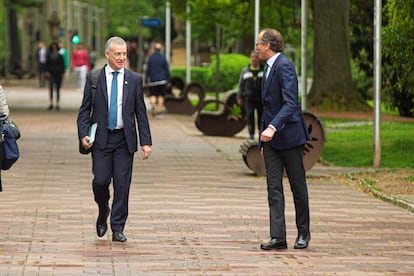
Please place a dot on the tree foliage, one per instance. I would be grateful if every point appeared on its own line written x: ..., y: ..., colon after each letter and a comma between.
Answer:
x: 398, y: 50
x: 126, y: 14
x: 236, y: 19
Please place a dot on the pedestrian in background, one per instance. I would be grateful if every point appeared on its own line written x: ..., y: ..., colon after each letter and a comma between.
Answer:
x: 157, y: 79
x: 92, y: 57
x: 41, y: 63
x: 117, y: 108
x: 79, y: 63
x: 4, y: 115
x: 133, y: 57
x: 54, y: 72
x: 4, y: 107
x: 249, y: 95
x: 283, y: 134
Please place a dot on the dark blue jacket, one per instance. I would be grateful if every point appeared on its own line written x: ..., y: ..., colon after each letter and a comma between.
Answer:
x: 157, y: 69
x: 281, y: 106
x: 134, y: 113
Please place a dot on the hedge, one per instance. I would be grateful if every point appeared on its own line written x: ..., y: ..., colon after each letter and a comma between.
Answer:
x: 230, y: 68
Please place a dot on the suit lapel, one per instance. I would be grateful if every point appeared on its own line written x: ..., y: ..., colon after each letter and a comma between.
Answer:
x: 125, y: 86
x: 270, y: 80
x: 102, y: 83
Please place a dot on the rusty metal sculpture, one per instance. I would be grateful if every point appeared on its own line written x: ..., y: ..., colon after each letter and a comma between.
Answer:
x: 224, y: 121
x: 312, y: 151
x: 178, y: 100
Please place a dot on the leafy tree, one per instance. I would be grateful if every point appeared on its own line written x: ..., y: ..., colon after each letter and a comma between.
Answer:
x: 398, y: 49
x: 236, y: 19
x: 2, y: 41
x: 126, y: 14
x: 332, y: 87
x: 362, y: 50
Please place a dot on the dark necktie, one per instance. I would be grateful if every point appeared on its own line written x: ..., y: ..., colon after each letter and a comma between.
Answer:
x: 113, y: 105
x: 265, y: 72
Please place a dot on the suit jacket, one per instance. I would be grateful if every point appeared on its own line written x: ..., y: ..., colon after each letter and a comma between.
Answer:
x: 133, y: 110
x: 281, y: 106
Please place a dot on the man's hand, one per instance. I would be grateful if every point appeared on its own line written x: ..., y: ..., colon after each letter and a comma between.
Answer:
x: 85, y: 142
x: 145, y: 152
x: 267, y: 134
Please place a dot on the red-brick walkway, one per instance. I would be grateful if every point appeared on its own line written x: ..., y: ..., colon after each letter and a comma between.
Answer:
x: 195, y: 209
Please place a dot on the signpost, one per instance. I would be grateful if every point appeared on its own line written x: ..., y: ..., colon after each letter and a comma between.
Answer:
x: 150, y: 22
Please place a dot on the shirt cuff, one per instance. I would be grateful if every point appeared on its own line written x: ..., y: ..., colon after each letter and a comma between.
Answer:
x: 273, y: 127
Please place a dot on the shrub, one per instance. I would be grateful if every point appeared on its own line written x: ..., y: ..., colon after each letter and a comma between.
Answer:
x: 198, y: 74
x: 230, y: 68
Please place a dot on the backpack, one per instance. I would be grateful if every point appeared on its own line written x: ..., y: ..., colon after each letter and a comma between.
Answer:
x: 94, y: 79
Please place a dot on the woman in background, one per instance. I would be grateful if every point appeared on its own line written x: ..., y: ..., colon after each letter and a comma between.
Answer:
x: 55, y: 70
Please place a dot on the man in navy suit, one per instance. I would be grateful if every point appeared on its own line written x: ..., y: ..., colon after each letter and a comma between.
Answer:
x: 116, y: 139
x: 283, y: 134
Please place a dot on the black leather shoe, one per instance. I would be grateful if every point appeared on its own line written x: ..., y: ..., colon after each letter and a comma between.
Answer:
x: 118, y: 237
x: 274, y: 244
x: 101, y: 226
x: 302, y: 242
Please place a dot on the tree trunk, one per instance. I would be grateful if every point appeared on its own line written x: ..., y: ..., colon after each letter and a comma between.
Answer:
x: 13, y: 32
x: 332, y: 87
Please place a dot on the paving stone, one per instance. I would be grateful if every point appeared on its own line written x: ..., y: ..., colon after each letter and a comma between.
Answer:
x: 195, y: 209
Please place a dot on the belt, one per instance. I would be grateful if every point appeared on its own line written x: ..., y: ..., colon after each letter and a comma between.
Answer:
x: 115, y: 130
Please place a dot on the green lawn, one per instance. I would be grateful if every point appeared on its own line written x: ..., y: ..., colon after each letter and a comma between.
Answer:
x: 352, y: 145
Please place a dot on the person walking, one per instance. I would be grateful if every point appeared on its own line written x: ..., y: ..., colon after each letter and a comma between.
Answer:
x: 157, y: 79
x: 79, y: 63
x: 55, y: 71
x: 133, y: 57
x: 4, y: 115
x: 283, y: 134
x: 92, y: 57
x: 41, y: 54
x: 118, y: 108
x: 249, y: 95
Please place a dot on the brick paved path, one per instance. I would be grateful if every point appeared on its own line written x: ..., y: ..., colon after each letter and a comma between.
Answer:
x: 195, y: 209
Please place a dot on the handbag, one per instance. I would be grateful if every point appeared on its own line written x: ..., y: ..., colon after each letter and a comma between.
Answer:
x: 9, y: 133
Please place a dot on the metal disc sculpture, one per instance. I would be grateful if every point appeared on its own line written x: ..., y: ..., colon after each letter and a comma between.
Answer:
x: 312, y: 151
x: 227, y: 120
x: 181, y: 97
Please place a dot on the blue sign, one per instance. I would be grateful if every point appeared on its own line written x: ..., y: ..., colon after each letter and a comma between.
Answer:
x: 151, y: 22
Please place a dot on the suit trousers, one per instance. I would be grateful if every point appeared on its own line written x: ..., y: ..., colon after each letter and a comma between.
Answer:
x: 291, y: 161
x: 113, y: 163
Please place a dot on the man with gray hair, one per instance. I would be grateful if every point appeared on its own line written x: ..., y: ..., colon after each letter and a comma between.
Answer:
x: 113, y: 111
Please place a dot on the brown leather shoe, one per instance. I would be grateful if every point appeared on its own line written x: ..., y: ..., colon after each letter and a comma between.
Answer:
x: 274, y: 244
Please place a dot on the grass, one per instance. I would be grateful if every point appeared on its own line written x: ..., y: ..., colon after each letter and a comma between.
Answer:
x: 384, y: 108
x: 351, y: 144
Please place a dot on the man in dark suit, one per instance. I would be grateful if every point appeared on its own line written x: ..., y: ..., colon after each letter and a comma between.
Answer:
x: 117, y: 107
x: 282, y: 139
